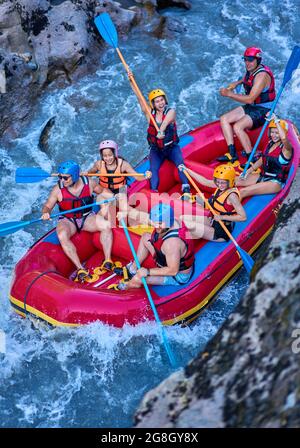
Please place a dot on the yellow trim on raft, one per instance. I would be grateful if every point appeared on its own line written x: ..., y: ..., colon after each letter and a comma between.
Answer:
x: 39, y: 314
x: 177, y: 319
x: 204, y: 302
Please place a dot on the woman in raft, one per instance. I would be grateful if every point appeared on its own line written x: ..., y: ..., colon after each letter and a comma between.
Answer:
x: 225, y: 201
x: 274, y: 163
x: 111, y: 163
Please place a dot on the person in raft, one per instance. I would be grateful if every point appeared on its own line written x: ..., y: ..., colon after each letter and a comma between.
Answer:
x: 164, y: 143
x: 72, y: 191
x: 259, y: 86
x: 225, y: 201
x: 111, y: 163
x: 274, y: 163
x: 171, y: 249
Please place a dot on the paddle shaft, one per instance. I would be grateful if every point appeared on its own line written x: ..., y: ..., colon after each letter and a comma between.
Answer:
x: 138, y: 92
x: 163, y: 335
x: 210, y: 207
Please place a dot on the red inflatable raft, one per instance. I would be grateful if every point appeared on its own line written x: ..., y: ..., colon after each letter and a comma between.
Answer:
x: 42, y: 286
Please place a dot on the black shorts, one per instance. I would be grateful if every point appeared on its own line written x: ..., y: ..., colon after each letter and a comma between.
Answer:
x: 220, y: 232
x: 256, y: 113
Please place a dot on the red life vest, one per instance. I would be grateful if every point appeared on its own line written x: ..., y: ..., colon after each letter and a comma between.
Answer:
x: 70, y: 201
x: 248, y: 81
x: 218, y: 201
x: 171, y: 136
x: 112, y: 183
x: 186, y: 261
x: 272, y: 165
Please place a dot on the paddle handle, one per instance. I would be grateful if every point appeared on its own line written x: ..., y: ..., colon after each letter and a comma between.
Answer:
x: 138, y: 92
x: 210, y: 207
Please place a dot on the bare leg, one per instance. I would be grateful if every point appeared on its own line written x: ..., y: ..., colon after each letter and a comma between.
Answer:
x: 260, y: 188
x: 226, y: 121
x: 65, y: 230
x: 96, y: 223
x: 143, y: 250
x: 239, y: 128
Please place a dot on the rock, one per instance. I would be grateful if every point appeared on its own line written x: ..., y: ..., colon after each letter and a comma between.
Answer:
x: 248, y: 375
x: 45, y: 134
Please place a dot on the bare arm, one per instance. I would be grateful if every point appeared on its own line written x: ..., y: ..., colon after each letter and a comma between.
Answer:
x: 260, y: 82
x: 172, y: 251
x: 50, y: 203
x: 234, y: 200
x: 170, y: 118
x: 127, y: 168
x: 94, y: 168
x: 143, y: 107
x: 199, y: 178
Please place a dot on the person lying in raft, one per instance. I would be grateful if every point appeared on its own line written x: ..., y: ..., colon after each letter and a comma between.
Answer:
x: 111, y: 163
x: 164, y: 143
x: 225, y: 201
x: 171, y: 249
x: 274, y: 163
x: 259, y: 86
x: 72, y: 191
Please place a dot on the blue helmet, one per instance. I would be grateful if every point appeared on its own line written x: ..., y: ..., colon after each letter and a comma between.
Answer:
x: 70, y: 167
x: 162, y: 213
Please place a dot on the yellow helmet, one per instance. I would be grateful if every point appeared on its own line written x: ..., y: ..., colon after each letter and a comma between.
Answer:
x: 154, y: 94
x: 282, y: 123
x: 225, y: 172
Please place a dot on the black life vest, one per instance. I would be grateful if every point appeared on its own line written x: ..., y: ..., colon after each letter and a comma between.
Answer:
x: 186, y: 261
x: 272, y: 167
x: 171, y: 136
x: 248, y: 81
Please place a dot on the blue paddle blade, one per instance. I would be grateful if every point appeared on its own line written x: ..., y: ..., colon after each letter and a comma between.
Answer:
x: 247, y: 259
x: 292, y: 64
x: 11, y: 227
x: 107, y: 29
x: 30, y: 175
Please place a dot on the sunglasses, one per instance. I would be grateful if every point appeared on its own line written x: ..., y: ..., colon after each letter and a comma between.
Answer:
x: 249, y: 58
x: 63, y: 177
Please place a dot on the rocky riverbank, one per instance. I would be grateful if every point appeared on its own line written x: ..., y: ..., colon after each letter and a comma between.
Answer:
x: 54, y: 42
x: 248, y: 375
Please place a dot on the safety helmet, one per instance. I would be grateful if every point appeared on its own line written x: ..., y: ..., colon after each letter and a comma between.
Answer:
x: 282, y: 123
x: 162, y: 213
x: 155, y: 94
x: 225, y: 172
x: 253, y: 51
x: 111, y: 144
x: 70, y: 167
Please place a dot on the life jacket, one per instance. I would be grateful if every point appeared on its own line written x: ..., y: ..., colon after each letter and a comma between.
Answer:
x: 248, y: 81
x: 112, y: 183
x: 272, y: 165
x: 186, y: 261
x: 171, y: 136
x: 70, y: 201
x: 218, y: 201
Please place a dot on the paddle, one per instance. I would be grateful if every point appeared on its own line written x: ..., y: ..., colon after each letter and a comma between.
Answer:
x: 161, y: 328
x: 290, y: 67
x: 246, y: 258
x: 31, y: 175
x: 7, y: 228
x: 109, y: 33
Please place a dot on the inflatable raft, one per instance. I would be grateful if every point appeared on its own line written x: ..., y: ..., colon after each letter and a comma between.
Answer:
x: 42, y: 283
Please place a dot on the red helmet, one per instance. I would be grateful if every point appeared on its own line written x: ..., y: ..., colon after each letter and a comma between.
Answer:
x: 253, y: 51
